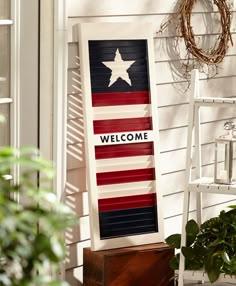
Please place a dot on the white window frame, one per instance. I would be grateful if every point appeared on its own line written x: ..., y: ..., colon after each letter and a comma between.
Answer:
x: 13, y: 99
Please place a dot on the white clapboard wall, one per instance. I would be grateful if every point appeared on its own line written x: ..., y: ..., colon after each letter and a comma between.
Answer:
x: 172, y: 101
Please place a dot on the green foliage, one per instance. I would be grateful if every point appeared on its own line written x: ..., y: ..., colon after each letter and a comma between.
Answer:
x: 31, y: 240
x: 211, y: 247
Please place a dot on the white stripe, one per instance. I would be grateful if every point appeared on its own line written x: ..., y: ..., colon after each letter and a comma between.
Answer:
x: 127, y: 189
x: 122, y: 111
x: 120, y: 164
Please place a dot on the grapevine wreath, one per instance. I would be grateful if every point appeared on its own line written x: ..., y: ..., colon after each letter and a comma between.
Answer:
x: 216, y: 54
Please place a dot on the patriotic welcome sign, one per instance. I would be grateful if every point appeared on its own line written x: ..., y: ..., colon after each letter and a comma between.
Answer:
x: 118, y: 89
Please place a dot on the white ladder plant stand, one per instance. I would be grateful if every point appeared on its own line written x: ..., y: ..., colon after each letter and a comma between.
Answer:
x: 201, y: 184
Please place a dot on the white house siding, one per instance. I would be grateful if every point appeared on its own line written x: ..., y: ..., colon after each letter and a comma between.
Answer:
x: 172, y: 108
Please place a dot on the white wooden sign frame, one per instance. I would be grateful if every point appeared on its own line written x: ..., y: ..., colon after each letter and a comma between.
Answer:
x: 116, y: 31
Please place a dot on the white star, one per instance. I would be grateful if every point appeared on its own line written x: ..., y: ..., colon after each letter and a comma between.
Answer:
x: 119, y: 68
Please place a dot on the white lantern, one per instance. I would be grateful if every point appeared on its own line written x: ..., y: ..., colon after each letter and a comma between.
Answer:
x: 225, y: 156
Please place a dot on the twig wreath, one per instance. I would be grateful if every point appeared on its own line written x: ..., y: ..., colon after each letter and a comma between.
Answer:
x: 215, y: 54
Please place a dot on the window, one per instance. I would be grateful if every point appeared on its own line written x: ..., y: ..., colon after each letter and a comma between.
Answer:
x: 5, y: 70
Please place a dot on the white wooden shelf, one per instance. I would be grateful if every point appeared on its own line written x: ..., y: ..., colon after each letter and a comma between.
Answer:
x: 6, y: 100
x: 216, y: 101
x: 206, y: 184
x: 6, y: 22
x: 203, y: 184
x: 8, y: 177
x: 202, y: 276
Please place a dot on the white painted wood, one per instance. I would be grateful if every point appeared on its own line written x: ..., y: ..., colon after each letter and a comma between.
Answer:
x: 171, y: 139
x: 75, y: 154
x: 46, y: 78
x: 59, y: 100
x: 75, y: 131
x: 201, y: 184
x: 106, y: 32
x: 75, y: 181
x: 106, y: 7
x: 127, y: 111
x: 173, y: 223
x: 90, y: 8
x: 124, y: 193
x: 223, y: 102
x: 78, y: 202
x: 171, y: 71
x: 6, y: 22
x: 80, y: 232
x: 74, y: 256
x: 173, y: 119
x: 74, y: 276
x: 208, y: 201
x: 6, y: 100
x: 156, y: 19
x: 177, y: 115
x: 28, y: 67
x: 201, y: 275
x: 206, y: 184
x: 189, y: 158
x: 118, y: 164
x: 163, y: 48
x: 15, y: 86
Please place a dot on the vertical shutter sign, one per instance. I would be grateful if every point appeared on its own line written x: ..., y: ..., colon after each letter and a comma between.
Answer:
x: 123, y: 132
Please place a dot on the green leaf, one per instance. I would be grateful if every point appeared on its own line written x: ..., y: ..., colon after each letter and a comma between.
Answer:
x: 232, y: 206
x: 189, y: 252
x: 174, y: 262
x: 30, y: 233
x: 225, y: 257
x: 213, y: 274
x: 193, y: 264
x: 192, y: 228
x: 174, y: 240
x: 190, y: 239
x: 213, y: 265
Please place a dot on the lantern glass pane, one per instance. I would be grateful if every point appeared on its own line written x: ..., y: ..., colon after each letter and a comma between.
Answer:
x: 222, y: 161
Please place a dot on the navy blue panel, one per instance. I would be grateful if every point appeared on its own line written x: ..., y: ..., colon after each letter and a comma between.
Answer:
x: 130, y: 50
x: 128, y: 222
x: 112, y: 233
x: 128, y: 213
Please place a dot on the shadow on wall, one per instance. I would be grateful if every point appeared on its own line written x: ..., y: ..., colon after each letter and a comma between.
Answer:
x: 76, y: 196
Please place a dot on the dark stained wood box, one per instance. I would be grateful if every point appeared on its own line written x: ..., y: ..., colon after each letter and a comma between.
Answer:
x: 146, y: 265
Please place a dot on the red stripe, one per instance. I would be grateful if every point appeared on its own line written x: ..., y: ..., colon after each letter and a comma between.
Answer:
x: 128, y: 202
x: 122, y: 125
x: 120, y: 98
x: 125, y: 150
x: 126, y: 176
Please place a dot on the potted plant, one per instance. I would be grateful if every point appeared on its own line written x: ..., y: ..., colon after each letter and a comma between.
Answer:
x: 31, y: 240
x: 210, y: 246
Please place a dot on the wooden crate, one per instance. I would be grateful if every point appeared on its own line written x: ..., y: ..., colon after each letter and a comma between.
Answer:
x: 146, y: 265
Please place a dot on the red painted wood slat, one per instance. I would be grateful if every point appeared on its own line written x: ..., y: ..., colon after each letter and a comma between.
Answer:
x: 128, y: 202
x: 122, y: 125
x: 120, y: 98
x: 124, y: 150
x: 126, y: 176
